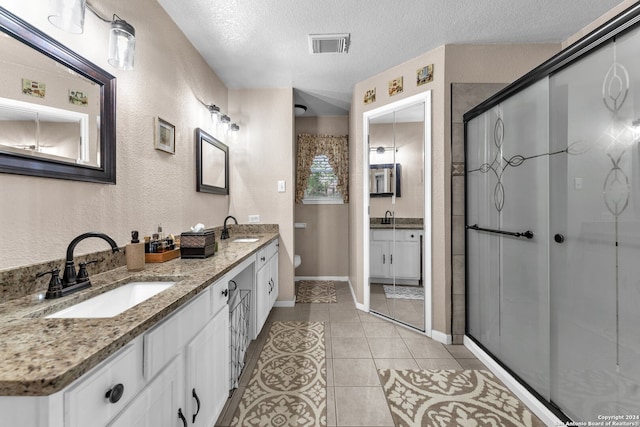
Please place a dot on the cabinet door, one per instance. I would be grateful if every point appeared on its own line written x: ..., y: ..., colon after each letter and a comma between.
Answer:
x: 379, y: 259
x: 406, y: 260
x: 273, y: 267
x: 262, y: 296
x: 160, y: 404
x: 208, y: 371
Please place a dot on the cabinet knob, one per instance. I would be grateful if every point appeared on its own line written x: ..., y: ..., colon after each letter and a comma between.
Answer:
x: 559, y: 238
x: 115, y: 393
x: 262, y: 259
x: 225, y: 292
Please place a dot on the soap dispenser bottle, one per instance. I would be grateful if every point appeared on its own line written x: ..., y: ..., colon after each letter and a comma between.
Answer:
x: 135, y: 253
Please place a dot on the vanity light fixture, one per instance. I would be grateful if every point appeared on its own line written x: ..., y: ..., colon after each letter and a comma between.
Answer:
x: 224, y: 119
x: 68, y: 15
x: 213, y: 109
x: 234, y: 127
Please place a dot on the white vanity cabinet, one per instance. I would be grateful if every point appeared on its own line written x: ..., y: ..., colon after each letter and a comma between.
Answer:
x: 395, y: 254
x: 266, y: 285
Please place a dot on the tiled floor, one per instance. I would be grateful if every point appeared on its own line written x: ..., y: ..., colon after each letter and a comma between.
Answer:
x: 410, y: 311
x: 357, y: 344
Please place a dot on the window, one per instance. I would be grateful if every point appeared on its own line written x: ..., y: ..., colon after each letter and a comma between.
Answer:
x: 322, y: 184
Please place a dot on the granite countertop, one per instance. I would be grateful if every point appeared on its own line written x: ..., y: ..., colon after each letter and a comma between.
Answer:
x: 400, y: 224
x: 42, y: 356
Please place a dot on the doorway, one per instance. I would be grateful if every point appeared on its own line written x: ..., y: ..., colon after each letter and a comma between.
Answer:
x: 397, y: 223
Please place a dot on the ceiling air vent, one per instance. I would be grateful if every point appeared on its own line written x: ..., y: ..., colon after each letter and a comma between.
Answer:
x: 328, y: 43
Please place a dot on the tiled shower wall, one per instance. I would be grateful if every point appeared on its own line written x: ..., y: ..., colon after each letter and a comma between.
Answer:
x: 464, y: 96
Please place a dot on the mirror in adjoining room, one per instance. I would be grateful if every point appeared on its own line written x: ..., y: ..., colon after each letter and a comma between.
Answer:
x: 212, y: 164
x: 399, y: 276
x: 57, y: 110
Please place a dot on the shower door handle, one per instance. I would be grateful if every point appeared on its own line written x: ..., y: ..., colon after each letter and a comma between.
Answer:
x: 559, y: 238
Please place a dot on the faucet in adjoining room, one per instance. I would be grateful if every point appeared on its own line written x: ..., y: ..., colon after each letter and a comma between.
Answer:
x: 69, y: 277
x: 386, y: 219
x: 225, y: 231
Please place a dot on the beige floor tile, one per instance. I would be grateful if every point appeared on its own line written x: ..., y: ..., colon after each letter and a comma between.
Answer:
x: 362, y: 406
x: 439, y: 364
x: 425, y: 348
x: 328, y: 348
x: 370, y: 318
x: 355, y: 372
x: 389, y: 348
x: 283, y: 313
x: 396, y: 364
x: 312, y: 307
x: 406, y: 332
x: 350, y: 348
x: 346, y: 329
x: 331, y: 407
x: 460, y: 352
x: 344, y: 315
x: 385, y: 329
x: 314, y: 316
x: 471, y: 364
x: 329, y: 364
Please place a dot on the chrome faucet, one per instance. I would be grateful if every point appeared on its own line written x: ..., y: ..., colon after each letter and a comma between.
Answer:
x: 69, y: 277
x: 386, y: 219
x: 225, y: 231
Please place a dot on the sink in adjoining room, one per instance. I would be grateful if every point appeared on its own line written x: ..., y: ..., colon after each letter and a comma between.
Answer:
x: 246, y: 239
x: 114, y: 302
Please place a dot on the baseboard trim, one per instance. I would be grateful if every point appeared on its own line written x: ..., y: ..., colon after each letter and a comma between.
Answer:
x: 329, y: 278
x: 537, y: 407
x: 285, y: 303
x: 441, y: 337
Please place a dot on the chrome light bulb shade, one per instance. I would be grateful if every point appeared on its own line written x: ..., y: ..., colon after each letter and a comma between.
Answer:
x: 122, y: 44
x: 68, y: 15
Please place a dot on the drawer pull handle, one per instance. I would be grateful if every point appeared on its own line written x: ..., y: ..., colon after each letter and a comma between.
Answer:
x: 195, y: 396
x: 115, y: 393
x: 225, y: 292
x: 182, y: 418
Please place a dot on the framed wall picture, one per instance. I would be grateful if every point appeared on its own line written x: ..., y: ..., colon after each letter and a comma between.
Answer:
x: 396, y: 86
x: 424, y: 75
x: 165, y: 134
x: 370, y: 96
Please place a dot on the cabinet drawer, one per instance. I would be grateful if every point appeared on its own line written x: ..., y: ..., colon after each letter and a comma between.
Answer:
x: 272, y: 249
x: 165, y: 340
x: 409, y: 235
x: 261, y: 258
x: 86, y: 404
x: 219, y: 295
x: 381, y: 234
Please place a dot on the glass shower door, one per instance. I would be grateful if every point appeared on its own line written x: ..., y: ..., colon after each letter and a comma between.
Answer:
x: 595, y: 230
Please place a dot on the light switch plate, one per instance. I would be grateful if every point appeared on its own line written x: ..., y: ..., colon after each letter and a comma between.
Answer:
x: 281, y: 187
x: 254, y: 219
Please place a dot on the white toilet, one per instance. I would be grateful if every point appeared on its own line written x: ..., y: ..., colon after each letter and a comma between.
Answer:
x: 296, y: 261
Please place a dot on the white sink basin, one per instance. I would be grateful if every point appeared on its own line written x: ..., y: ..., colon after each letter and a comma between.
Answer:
x: 245, y: 240
x: 114, y: 302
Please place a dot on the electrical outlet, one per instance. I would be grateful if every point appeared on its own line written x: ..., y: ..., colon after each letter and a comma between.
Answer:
x: 254, y: 219
x: 281, y: 187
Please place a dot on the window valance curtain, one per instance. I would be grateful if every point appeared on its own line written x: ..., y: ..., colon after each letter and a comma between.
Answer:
x: 336, y: 148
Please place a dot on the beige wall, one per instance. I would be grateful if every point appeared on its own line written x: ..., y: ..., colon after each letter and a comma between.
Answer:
x: 469, y: 63
x: 324, y: 244
x: 410, y: 155
x: 261, y: 154
x: 601, y: 20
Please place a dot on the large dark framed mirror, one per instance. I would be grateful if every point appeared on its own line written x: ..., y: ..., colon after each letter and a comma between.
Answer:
x: 212, y: 164
x: 57, y: 109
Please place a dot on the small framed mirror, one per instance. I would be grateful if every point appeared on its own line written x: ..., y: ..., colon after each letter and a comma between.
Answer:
x: 212, y: 164
x: 384, y: 181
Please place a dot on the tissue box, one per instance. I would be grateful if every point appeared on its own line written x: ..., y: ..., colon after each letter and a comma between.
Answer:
x: 200, y: 244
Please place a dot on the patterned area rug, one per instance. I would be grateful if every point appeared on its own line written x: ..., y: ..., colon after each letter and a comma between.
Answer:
x: 452, y: 398
x: 404, y: 292
x: 321, y: 291
x: 288, y: 386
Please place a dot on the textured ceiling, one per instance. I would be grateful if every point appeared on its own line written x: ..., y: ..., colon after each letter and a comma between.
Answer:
x: 263, y: 43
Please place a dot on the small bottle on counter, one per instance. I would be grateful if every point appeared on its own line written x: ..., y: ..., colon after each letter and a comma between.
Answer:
x: 135, y: 253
